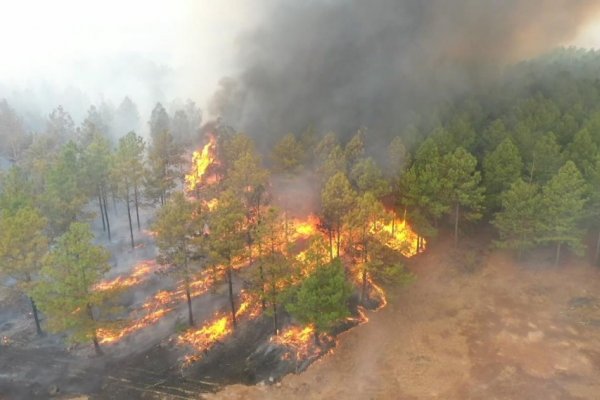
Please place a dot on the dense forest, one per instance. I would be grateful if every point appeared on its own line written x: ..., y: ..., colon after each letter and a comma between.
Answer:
x: 519, y: 155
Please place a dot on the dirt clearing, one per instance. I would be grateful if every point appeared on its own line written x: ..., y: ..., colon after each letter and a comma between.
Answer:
x: 500, y: 331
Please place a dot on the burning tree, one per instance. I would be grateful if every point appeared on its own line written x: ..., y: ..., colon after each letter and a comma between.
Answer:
x: 365, y: 221
x: 66, y: 292
x: 177, y: 230
x: 273, y: 263
x: 338, y: 200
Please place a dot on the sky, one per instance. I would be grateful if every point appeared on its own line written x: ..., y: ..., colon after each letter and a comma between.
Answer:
x: 88, y: 44
x: 176, y: 48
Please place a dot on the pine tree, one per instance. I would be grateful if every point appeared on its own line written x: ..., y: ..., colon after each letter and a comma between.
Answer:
x: 518, y: 220
x: 462, y: 187
x: 322, y: 299
x: 177, y: 224
x: 23, y: 245
x: 563, y: 201
x: 337, y: 200
x: 66, y: 292
x: 501, y: 168
x: 227, y: 239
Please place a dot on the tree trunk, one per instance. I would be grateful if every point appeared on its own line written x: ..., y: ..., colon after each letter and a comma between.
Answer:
x: 262, y: 287
x: 97, y: 348
x: 317, y: 339
x: 417, y: 248
x: 330, y: 231
x: 189, y: 303
x: 106, y: 214
x: 129, y: 217
x: 101, y: 212
x: 36, y: 317
x: 338, y: 241
x: 363, y: 292
x: 557, y: 259
x: 231, y: 301
x: 275, y: 324
x: 456, y: 224
x: 114, y: 200
x: 137, y: 212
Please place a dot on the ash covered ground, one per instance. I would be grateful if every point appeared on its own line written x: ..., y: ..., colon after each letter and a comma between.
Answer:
x: 148, y: 362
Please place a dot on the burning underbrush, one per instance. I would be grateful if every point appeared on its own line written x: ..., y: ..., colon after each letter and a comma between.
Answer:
x: 243, y: 339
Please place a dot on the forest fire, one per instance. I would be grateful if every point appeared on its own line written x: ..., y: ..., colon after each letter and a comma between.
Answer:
x: 217, y: 328
x: 201, y: 160
x: 304, y: 228
x: 140, y: 273
x: 401, y: 236
x: 159, y: 305
x: 302, y: 343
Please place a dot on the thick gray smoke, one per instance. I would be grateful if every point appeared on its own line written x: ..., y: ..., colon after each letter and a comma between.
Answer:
x: 342, y: 64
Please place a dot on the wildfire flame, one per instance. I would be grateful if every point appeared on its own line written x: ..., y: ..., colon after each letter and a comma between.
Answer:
x: 217, y: 328
x: 401, y: 236
x: 304, y: 228
x: 299, y: 341
x: 140, y: 273
x: 201, y: 160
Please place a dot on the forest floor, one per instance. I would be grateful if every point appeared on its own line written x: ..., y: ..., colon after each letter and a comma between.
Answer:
x: 495, y: 330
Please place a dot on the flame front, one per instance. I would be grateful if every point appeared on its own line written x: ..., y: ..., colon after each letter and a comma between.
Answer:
x: 140, y: 273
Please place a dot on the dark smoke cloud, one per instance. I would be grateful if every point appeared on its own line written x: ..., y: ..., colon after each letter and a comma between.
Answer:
x: 339, y: 65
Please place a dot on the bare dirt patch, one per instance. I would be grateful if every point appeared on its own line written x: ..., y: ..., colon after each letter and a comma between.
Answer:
x: 498, y: 331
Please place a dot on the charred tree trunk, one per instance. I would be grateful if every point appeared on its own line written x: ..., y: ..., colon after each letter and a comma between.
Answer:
x: 262, y: 287
x: 317, y: 338
x: 36, y: 317
x: 557, y: 259
x: 330, y: 232
x: 101, y: 211
x: 261, y: 274
x: 188, y: 295
x: 275, y: 323
x: 129, y: 218
x: 97, y: 348
x: 338, y: 241
x: 106, y: 215
x: 363, y: 292
x: 231, y: 300
x: 137, y: 211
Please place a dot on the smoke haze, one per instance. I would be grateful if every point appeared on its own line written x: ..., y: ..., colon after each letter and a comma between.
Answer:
x: 339, y: 65
x: 330, y: 64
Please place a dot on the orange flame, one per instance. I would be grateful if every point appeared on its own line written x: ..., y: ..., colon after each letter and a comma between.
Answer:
x: 401, y: 236
x: 201, y: 160
x: 140, y: 273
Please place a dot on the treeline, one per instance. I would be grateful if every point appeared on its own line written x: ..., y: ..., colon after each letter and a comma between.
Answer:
x: 47, y: 197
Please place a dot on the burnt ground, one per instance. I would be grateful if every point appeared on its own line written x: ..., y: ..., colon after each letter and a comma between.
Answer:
x: 144, y: 365
x: 490, y: 329
x: 470, y: 327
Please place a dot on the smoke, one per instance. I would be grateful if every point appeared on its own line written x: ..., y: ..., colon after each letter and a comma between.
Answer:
x: 339, y: 65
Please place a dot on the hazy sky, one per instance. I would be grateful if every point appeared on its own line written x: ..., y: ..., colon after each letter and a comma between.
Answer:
x: 101, y: 46
x: 85, y: 43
